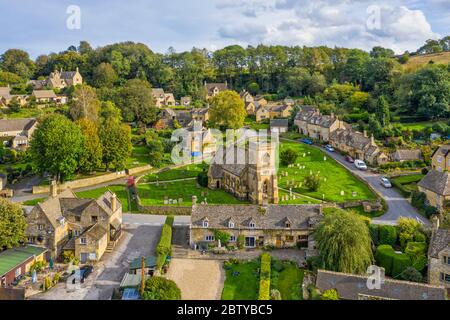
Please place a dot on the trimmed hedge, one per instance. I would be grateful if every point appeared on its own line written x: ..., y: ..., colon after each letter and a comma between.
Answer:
x: 264, y: 279
x: 388, y: 235
x: 416, y: 251
x: 164, y: 247
x: 393, y: 263
x: 374, y: 233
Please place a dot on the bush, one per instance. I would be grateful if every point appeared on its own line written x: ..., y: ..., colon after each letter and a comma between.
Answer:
x: 312, y: 182
x: 202, y: 179
x: 288, y: 156
x: 418, y: 200
x: 408, y: 229
x: 164, y: 247
x: 38, y: 266
x: 275, y: 295
x: 223, y: 236
x: 411, y: 274
x: 159, y: 288
x: 399, y: 264
x: 264, y: 280
x: 313, y: 263
x: 374, y: 234
x: 330, y: 294
x: 240, y: 241
x: 277, y: 265
x: 416, y: 251
x: 68, y: 256
x: 388, y: 235
x: 393, y: 263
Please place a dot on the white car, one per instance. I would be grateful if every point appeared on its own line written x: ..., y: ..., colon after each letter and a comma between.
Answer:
x: 359, y: 164
x: 385, y: 182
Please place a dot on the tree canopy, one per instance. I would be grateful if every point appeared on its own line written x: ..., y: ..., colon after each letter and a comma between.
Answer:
x: 12, y: 224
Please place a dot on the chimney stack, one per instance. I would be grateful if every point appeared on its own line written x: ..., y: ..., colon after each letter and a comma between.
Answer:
x: 372, y: 140
x: 435, y: 222
x: 113, y: 202
x: 53, y: 189
x: 365, y: 133
x: 194, y: 200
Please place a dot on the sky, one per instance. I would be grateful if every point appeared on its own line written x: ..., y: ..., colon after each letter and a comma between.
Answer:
x: 42, y: 27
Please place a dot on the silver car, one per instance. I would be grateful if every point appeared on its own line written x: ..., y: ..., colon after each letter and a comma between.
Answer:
x: 385, y: 182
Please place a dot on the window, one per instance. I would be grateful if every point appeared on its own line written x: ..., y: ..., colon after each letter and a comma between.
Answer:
x: 83, y: 241
x: 205, y: 224
x: 252, y: 225
x: 77, y: 233
x: 232, y: 238
x: 230, y: 224
x: 94, y: 219
x: 439, y: 159
x: 209, y: 238
x: 288, y: 224
x: 77, y: 219
x: 40, y: 227
x: 289, y: 238
x: 445, y: 277
x: 446, y: 260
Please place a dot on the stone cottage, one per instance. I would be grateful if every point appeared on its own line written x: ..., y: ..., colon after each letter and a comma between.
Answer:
x: 439, y: 258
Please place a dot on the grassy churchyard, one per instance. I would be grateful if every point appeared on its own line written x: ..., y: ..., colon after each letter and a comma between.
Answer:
x: 337, y: 183
x: 188, y: 171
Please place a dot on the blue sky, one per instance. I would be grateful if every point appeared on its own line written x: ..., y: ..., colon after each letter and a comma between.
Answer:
x: 40, y: 26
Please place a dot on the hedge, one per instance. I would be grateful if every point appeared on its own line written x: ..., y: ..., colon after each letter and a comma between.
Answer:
x: 393, y: 263
x: 388, y: 235
x: 374, y: 233
x: 416, y: 251
x: 164, y: 247
x: 264, y: 279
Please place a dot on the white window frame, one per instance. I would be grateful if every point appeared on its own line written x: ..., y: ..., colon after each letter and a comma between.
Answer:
x: 40, y: 227
x: 209, y: 238
x: 205, y: 224
x: 252, y: 225
x: 230, y: 224
x: 83, y: 241
x: 233, y: 238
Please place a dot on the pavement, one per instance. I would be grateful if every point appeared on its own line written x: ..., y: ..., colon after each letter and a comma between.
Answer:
x: 398, y: 206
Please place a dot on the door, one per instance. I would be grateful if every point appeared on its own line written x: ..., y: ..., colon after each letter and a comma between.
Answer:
x: 278, y: 242
x: 83, y: 257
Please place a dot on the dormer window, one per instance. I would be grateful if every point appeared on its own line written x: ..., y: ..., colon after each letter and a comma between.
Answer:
x: 252, y: 225
x: 230, y: 224
x: 287, y: 224
x: 205, y: 223
x: 447, y: 260
x: 83, y: 241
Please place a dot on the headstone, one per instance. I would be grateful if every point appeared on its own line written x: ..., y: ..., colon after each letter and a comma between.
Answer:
x: 290, y: 192
x: 166, y: 201
x: 174, y: 201
x: 324, y: 158
x: 294, y: 197
x: 170, y: 201
x: 180, y: 200
x: 342, y: 192
x: 354, y: 193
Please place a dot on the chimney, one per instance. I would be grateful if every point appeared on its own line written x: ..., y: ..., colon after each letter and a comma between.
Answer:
x: 113, y: 202
x: 435, y: 222
x: 53, y: 189
x: 194, y: 200
x: 372, y: 140
x: 365, y: 133
x: 77, y: 69
x: 332, y: 115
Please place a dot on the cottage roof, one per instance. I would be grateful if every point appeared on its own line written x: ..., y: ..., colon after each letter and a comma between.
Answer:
x: 306, y: 112
x: 96, y: 232
x: 5, y: 92
x: 438, y: 182
x: 270, y: 217
x: 284, y: 123
x: 354, y: 287
x: 16, y: 124
x: 442, y: 150
x: 440, y: 240
x: 158, y: 93
x: 210, y: 87
x: 169, y: 96
x: 185, y: 99
x: 44, y: 94
x: 405, y: 155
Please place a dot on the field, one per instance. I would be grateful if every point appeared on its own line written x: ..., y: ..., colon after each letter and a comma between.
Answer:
x: 29, y: 112
x: 119, y: 190
x: 334, y: 178
x: 153, y: 194
x: 418, y: 61
x: 241, y: 282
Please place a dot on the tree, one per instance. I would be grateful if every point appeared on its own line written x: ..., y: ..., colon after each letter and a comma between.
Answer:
x: 155, y: 146
x: 17, y: 61
x: 85, y: 103
x: 344, y: 242
x: 91, y: 158
x: 159, y: 288
x: 12, y: 224
x: 56, y: 146
x: 253, y: 88
x: 104, y: 75
x: 380, y: 52
x: 109, y: 111
x: 382, y: 111
x: 227, y: 110
x: 136, y: 101
x: 312, y: 182
x: 330, y: 294
x: 115, y: 139
x: 288, y: 156
x: 408, y: 228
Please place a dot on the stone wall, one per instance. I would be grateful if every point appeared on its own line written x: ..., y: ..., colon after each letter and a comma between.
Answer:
x: 92, y: 181
x: 435, y: 268
x: 163, y: 210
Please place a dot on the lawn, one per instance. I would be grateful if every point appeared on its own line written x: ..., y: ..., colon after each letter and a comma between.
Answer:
x: 241, y: 281
x: 288, y: 281
x: 407, y: 184
x: 419, y: 126
x: 153, y: 194
x: 119, y: 190
x: 298, y: 200
x: 334, y: 178
x: 139, y: 157
x: 189, y: 171
x: 252, y: 124
x: 29, y: 112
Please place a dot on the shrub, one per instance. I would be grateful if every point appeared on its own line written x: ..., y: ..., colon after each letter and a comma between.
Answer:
x: 416, y: 251
x: 399, y: 264
x: 56, y: 278
x: 288, y: 156
x: 330, y: 294
x: 159, y: 288
x: 418, y: 200
x: 312, y: 182
x: 411, y: 274
x: 388, y: 235
x: 408, y: 228
x: 164, y: 247
x: 277, y: 265
x: 38, y: 266
x: 374, y: 234
x: 240, y: 241
x: 383, y: 257
x: 202, y: 179
x: 264, y: 280
x: 68, y: 256
x: 275, y: 295
x: 223, y: 236
x: 313, y: 263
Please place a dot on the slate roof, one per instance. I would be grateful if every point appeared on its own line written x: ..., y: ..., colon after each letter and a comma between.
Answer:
x: 44, y: 94
x: 351, y: 286
x: 158, y: 93
x: 270, y: 217
x: 95, y: 232
x: 68, y: 75
x: 324, y: 121
x: 306, y: 112
x: 16, y: 124
x: 351, y: 138
x: 442, y: 150
x: 284, y: 123
x: 405, y: 155
x: 438, y: 182
x: 440, y: 240
x: 210, y: 87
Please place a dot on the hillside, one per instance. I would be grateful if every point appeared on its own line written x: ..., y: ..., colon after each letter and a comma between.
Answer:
x: 418, y: 61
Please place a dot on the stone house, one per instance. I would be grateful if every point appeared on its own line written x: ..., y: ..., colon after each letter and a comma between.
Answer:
x: 402, y: 155
x: 185, y: 101
x: 44, y: 96
x: 262, y: 102
x: 212, y: 89
x: 358, y: 145
x: 440, y: 159
x: 247, y: 173
x: 439, y: 258
x: 354, y: 287
x: 169, y: 99
x: 58, y: 80
x: 6, y: 97
x: 279, y: 125
x: 273, y: 111
x: 198, y: 141
x: 86, y: 227
x: 289, y: 101
x: 20, y: 130
x: 262, y: 114
x: 200, y: 114
x: 273, y: 225
x: 159, y: 96
x: 185, y: 118
x: 249, y: 102
x: 436, y: 186
x: 313, y: 124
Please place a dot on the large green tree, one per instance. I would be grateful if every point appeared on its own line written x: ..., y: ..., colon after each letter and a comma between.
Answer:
x: 344, y: 242
x: 56, y: 146
x: 227, y: 110
x: 91, y: 157
x: 84, y: 104
x: 159, y: 288
x: 17, y: 61
x: 104, y: 75
x: 116, y: 143
x: 12, y: 224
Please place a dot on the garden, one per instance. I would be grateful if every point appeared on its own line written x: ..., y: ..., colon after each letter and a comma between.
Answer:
x: 407, y: 184
x: 336, y: 184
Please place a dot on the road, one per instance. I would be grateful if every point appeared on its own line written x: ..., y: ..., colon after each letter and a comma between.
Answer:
x: 397, y: 205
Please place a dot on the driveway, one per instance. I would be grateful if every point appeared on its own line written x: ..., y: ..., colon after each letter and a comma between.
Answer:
x: 397, y: 205
x: 137, y: 241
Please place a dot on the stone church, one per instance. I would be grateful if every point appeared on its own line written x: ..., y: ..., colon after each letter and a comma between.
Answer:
x: 247, y: 173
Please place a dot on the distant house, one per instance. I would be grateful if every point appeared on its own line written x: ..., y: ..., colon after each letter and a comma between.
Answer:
x: 16, y: 262
x: 262, y: 102
x: 20, y: 130
x: 401, y: 155
x: 279, y: 125
x: 354, y: 287
x: 185, y: 118
x: 249, y: 102
x: 58, y: 80
x: 159, y: 96
x: 185, y: 101
x: 289, y: 101
x: 6, y: 97
x: 44, y: 96
x: 440, y: 159
x: 85, y: 227
x: 274, y: 225
x: 200, y: 114
x: 312, y: 123
x: 3, y: 181
x: 212, y: 89
x: 169, y: 99
x: 271, y: 111
x: 262, y: 114
x: 439, y: 258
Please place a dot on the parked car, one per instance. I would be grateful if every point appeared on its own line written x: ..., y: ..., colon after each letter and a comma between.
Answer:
x: 329, y: 148
x: 349, y: 159
x: 361, y: 165
x: 85, y: 272
x: 385, y: 182
x: 306, y: 141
